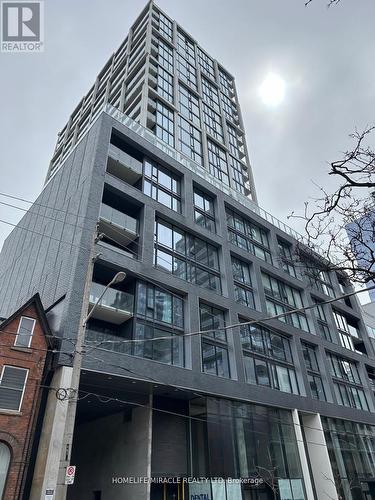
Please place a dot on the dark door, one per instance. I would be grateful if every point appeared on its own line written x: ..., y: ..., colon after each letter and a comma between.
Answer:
x: 260, y: 493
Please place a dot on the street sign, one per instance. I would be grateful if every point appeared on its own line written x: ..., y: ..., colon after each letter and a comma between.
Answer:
x: 70, y: 473
x: 49, y: 494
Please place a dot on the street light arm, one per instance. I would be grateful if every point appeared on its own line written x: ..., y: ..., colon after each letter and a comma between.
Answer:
x: 117, y: 279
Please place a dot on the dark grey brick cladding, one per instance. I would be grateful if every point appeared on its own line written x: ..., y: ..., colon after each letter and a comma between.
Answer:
x: 61, y: 269
x: 48, y: 251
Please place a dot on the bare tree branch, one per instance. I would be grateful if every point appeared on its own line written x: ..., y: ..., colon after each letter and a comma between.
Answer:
x: 348, y: 211
x: 330, y: 2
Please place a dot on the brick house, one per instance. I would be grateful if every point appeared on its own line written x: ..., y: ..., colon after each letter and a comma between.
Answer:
x: 25, y: 361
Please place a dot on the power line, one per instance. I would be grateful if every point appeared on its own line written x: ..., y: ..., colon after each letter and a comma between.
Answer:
x: 186, y: 334
x: 52, y: 351
x: 114, y: 228
x: 192, y: 391
x: 106, y: 399
x: 44, y: 216
x: 238, y: 325
x: 136, y: 255
x: 35, y: 203
x: 17, y: 226
x: 56, y: 337
x: 156, y: 381
x: 41, y: 234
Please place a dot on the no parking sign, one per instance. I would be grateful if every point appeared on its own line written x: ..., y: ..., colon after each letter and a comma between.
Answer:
x: 70, y: 473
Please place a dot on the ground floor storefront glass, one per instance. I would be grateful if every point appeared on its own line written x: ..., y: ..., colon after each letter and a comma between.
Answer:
x: 351, y: 448
x: 230, y: 489
x: 230, y: 439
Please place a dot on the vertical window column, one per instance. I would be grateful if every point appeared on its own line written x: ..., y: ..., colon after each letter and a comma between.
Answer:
x: 164, y: 127
x: 313, y: 373
x: 215, y: 359
x: 217, y: 162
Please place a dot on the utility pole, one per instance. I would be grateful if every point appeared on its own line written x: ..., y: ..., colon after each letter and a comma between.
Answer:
x: 66, y: 450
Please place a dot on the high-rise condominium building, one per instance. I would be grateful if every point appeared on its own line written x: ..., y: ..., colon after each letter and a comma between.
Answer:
x: 185, y: 373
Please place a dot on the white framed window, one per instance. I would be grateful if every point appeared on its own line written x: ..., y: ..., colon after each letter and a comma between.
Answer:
x: 25, y: 332
x: 12, y: 387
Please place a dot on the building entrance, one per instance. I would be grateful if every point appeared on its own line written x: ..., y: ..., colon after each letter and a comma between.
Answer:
x: 368, y: 489
x: 169, y: 492
x: 208, y: 491
x: 259, y: 493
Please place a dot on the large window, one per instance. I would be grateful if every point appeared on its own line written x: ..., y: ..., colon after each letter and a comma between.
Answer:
x: 281, y: 298
x: 4, y: 466
x: 235, y: 142
x: 189, y: 105
x: 226, y: 83
x: 212, y: 121
x: 186, y: 72
x: 351, y: 448
x: 165, y: 84
x: 239, y: 175
x: 206, y: 64
x: 268, y: 359
x: 344, y: 369
x: 204, y: 213
x: 347, y: 383
x: 347, y: 328
x: 322, y: 281
x: 320, y: 314
x: 286, y: 258
x: 25, y: 332
x: 229, y: 108
x: 242, y: 283
x: 319, y: 279
x: 159, y: 314
x: 165, y: 56
x: 12, y: 385
x: 243, y: 440
x: 217, y: 162
x: 313, y: 374
x: 189, y: 140
x: 162, y: 185
x: 164, y: 128
x: 186, y: 256
x: 215, y: 358
x: 185, y: 47
x: 165, y: 27
x: 248, y: 236
x: 210, y: 94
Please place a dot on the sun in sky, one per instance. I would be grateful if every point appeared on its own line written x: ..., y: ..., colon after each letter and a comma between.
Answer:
x: 272, y: 90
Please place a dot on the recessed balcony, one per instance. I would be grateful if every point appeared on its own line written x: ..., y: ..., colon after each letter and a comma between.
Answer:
x: 117, y: 226
x: 123, y: 166
x: 114, y: 307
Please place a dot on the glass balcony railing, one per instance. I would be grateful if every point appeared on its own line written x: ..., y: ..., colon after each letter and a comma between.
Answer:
x: 198, y: 169
x: 202, y: 172
x: 115, y: 301
x: 353, y: 331
x: 118, y: 218
x: 110, y: 342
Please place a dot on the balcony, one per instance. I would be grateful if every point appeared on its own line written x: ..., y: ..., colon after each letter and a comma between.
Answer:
x: 117, y: 226
x: 115, y: 307
x: 110, y: 342
x: 123, y: 166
